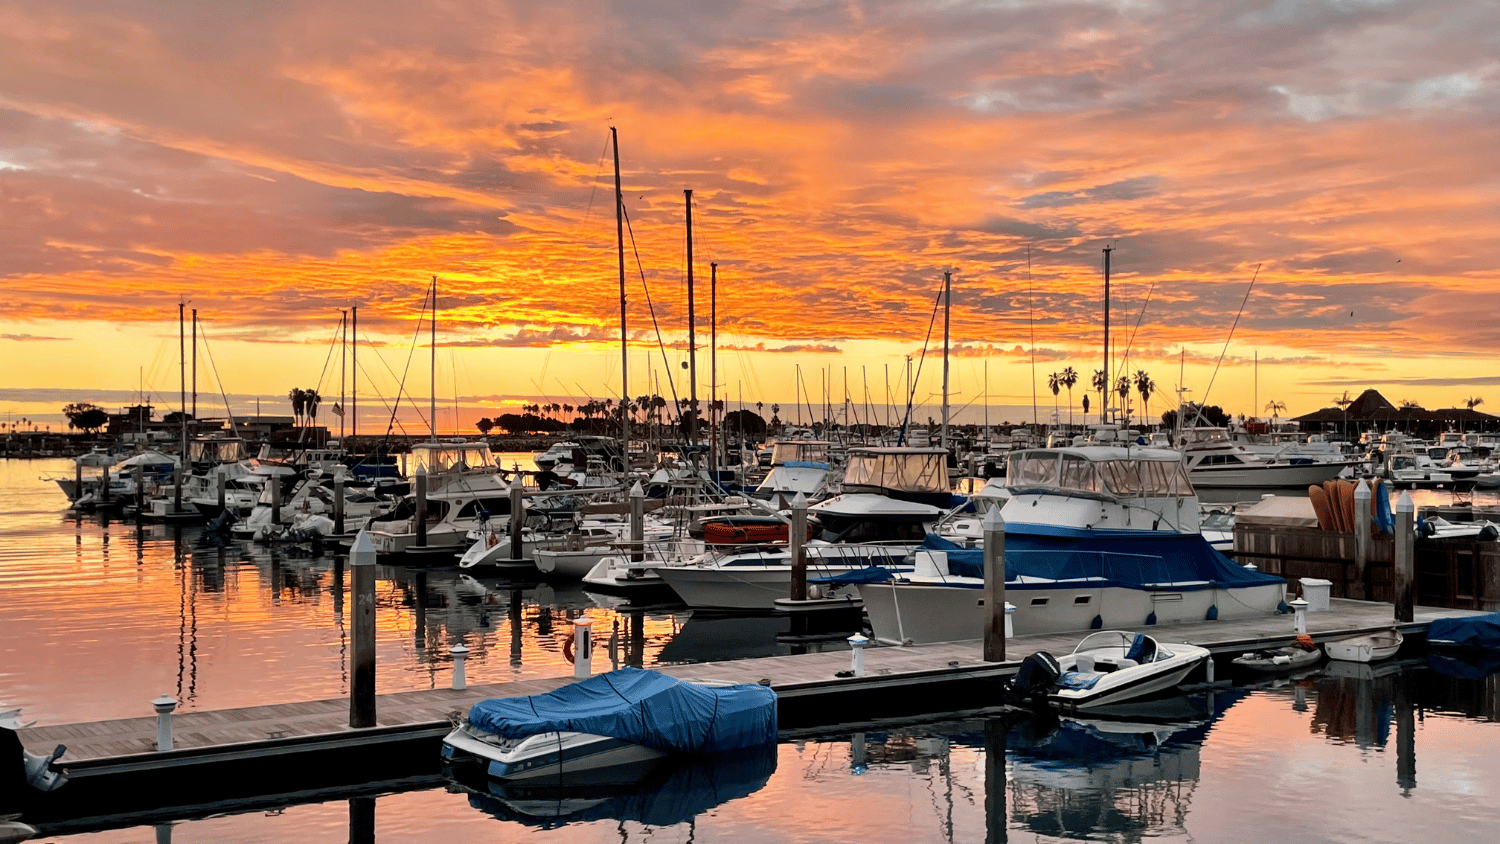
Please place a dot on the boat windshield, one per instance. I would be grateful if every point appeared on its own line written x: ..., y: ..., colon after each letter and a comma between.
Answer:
x: 923, y: 471
x: 1126, y: 477
x: 435, y: 458
x: 784, y: 452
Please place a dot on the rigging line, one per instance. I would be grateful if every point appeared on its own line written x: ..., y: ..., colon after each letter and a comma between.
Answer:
x: 414, y: 403
x: 328, y: 360
x: 917, y: 378
x: 651, y: 307
x: 214, y: 365
x: 1125, y: 361
x: 1204, y: 401
x: 1031, y: 312
x: 401, y: 385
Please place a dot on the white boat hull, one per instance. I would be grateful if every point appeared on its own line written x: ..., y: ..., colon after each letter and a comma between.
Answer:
x: 924, y: 613
x: 1370, y: 648
x: 549, y: 758
x: 1288, y: 475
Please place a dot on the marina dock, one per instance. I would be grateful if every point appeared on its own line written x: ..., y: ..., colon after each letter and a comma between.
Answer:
x: 235, y: 755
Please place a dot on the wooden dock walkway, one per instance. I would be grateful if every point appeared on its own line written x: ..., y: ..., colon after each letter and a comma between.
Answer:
x: 807, y: 686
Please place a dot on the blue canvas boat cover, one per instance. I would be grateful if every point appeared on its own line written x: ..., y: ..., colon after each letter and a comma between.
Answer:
x: 643, y: 707
x: 1137, y: 559
x: 1479, y: 631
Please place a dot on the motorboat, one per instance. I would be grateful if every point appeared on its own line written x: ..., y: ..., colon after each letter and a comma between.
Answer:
x: 886, y: 508
x: 1096, y: 537
x: 43, y: 773
x: 1105, y: 668
x: 1366, y: 647
x: 1213, y: 461
x: 1473, y: 632
x: 797, y: 466
x: 1302, y: 654
x: 610, y: 728
x: 463, y: 492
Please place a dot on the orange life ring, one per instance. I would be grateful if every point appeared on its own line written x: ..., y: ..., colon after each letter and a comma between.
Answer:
x: 491, y: 540
x: 568, y: 648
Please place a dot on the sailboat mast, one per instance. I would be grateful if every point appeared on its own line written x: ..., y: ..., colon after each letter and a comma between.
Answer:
x: 713, y: 366
x: 692, y: 337
x: 195, y: 364
x: 624, y: 336
x: 432, y: 400
x: 343, y: 368
x: 354, y: 372
x: 1109, y: 386
x: 947, y: 313
x: 182, y: 460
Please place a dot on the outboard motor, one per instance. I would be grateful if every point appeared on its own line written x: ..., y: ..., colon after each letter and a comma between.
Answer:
x: 1036, y: 677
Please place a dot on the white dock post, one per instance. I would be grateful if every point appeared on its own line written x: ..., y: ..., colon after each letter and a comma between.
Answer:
x: 1299, y: 607
x: 637, y: 523
x: 798, y: 548
x: 164, y: 706
x: 460, y: 652
x: 583, y: 648
x: 857, y: 644
x: 1403, y: 578
x: 1010, y: 627
x: 1362, y: 501
x: 362, y: 678
x: 997, y: 621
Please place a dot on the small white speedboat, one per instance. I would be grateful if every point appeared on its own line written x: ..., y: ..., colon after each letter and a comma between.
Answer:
x: 1367, y: 647
x: 1105, y: 668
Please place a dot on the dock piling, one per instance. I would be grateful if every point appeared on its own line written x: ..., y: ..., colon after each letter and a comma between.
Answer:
x: 798, y: 547
x: 219, y: 489
x: 997, y: 622
x: 338, y: 499
x: 362, y: 682
x: 1362, y: 497
x: 1405, y: 568
x: 459, y: 652
x: 420, y: 520
x: 164, y: 706
x: 274, y: 482
x: 139, y: 475
x: 637, y: 523
x: 517, y: 517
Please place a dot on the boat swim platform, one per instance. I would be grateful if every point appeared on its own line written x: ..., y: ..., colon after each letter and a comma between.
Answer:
x: 310, y: 744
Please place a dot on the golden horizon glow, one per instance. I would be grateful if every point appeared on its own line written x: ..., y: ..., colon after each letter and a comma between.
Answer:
x: 275, y: 168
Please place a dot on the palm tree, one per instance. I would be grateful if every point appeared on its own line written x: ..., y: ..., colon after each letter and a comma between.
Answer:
x: 1069, y: 378
x: 1473, y: 402
x: 310, y: 401
x: 299, y: 401
x: 1145, y: 386
x: 1275, y: 407
x: 1054, y: 383
x: 1122, y: 386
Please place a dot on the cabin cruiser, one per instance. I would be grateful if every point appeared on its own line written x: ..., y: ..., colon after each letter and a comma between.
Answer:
x: 1095, y: 537
x: 1213, y: 461
x: 797, y: 466
x: 90, y: 491
x: 463, y: 492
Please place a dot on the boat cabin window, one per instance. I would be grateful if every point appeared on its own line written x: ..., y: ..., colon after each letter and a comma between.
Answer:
x: 495, y: 507
x: 433, y: 458
x: 1081, y: 599
x: 901, y: 471
x: 1039, y: 602
x: 1078, y: 473
x: 785, y: 452
x: 831, y: 527
x: 1033, y: 469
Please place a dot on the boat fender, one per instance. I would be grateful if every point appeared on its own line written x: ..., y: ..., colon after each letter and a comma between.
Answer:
x: 567, y: 648
x: 1212, y: 614
x: 1151, y: 619
x: 1097, y: 623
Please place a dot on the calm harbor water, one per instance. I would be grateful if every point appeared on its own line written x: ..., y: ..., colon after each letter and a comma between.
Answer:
x: 97, y: 618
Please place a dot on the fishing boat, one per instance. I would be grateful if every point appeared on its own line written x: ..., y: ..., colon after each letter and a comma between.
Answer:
x: 1303, y: 654
x: 610, y: 728
x: 1213, y: 461
x: 1366, y: 647
x: 1105, y: 668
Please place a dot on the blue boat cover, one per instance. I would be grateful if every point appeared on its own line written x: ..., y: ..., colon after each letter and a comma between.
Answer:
x: 1137, y: 559
x: 1479, y: 631
x: 643, y: 707
x: 1079, y: 681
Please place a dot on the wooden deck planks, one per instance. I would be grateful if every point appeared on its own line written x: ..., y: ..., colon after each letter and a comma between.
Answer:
x: 429, y: 708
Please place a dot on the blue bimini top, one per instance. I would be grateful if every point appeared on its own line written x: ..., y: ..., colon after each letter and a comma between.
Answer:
x: 643, y: 707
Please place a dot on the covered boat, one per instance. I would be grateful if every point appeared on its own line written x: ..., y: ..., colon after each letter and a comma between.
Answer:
x: 610, y: 727
x: 1478, y: 632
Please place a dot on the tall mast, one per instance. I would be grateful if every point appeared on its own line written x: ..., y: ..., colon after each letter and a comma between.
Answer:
x: 692, y: 337
x: 713, y: 365
x: 182, y: 460
x: 624, y: 336
x: 354, y: 373
x: 195, y: 364
x: 343, y: 361
x: 1109, y: 387
x: 432, y: 400
x: 947, y: 308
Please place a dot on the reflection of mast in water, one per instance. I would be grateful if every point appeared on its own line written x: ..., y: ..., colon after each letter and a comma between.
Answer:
x: 338, y: 619
x: 513, y: 617
x: 187, y: 626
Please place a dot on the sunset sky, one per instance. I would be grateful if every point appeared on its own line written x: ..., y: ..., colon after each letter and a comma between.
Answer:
x: 273, y: 162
